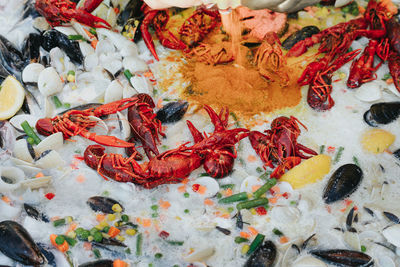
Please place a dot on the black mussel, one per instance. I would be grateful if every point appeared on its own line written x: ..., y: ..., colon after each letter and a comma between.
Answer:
x: 102, y: 204
x: 31, y: 49
x: 112, y: 242
x: 392, y: 217
x: 30, y: 10
x: 382, y: 113
x: 82, y: 107
x: 264, y: 256
x: 99, y: 263
x: 342, y: 257
x: 173, y: 111
x: 397, y: 154
x: 131, y: 29
x: 51, y: 259
x: 54, y: 38
x: 34, y: 213
x: 131, y: 10
x: 17, y: 244
x: 298, y: 36
x: 11, y: 58
x: 342, y: 183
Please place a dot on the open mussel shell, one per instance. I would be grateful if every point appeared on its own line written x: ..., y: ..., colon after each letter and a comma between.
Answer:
x: 382, y: 113
x: 342, y: 257
x: 102, y: 204
x: 17, y: 244
x: 172, y: 111
x: 342, y: 183
x: 392, y: 234
x: 98, y: 263
x: 10, y: 178
x: 34, y: 213
x: 264, y: 256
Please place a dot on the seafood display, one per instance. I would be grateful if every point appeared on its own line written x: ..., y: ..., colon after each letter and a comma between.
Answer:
x: 107, y: 159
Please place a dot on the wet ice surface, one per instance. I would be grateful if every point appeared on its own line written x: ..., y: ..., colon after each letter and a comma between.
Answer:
x: 341, y: 126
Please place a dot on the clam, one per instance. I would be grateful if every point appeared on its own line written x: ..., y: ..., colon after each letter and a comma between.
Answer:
x: 24, y: 151
x: 86, y: 49
x: 128, y: 91
x: 124, y: 126
x: 54, y: 141
x: 211, y: 185
x: 49, y: 159
x: 264, y: 256
x: 172, y: 111
x: 91, y: 61
x: 343, y: 182
x: 200, y: 254
x: 392, y: 234
x: 342, y: 257
x: 7, y: 137
x: 111, y: 62
x: 126, y: 47
x: 352, y: 239
x: 141, y: 84
x: 308, y: 261
x: 18, y: 119
x: 31, y: 72
x: 10, y: 178
x: 102, y: 204
x: 134, y: 64
x: 17, y: 244
x: 370, y: 92
x: 104, y: 47
x: 98, y: 263
x: 49, y: 82
x: 114, y: 92
x: 41, y: 24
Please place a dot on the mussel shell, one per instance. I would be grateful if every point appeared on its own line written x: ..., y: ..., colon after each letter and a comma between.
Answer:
x: 131, y: 10
x: 264, y: 256
x: 11, y: 58
x: 51, y: 259
x: 173, y: 111
x: 385, y: 112
x: 369, y: 120
x: 17, y: 244
x: 342, y: 183
x: 342, y: 257
x: 99, y: 263
x: 34, y: 213
x: 298, y: 36
x: 54, y: 38
x: 397, y: 154
x: 31, y: 49
x: 102, y: 204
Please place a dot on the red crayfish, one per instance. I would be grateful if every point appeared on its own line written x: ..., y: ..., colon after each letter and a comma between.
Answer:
x: 78, y: 122
x: 193, y: 30
x: 58, y: 12
x: 173, y: 165
x: 279, y: 147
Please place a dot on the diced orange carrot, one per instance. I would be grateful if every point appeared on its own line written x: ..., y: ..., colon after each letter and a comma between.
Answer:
x: 146, y: 222
x: 182, y: 188
x: 252, y: 230
x: 254, y: 188
x: 116, y: 10
x: 251, y: 158
x: 328, y: 208
x: 6, y: 199
x: 276, y: 189
x: 80, y: 178
x: 159, y: 103
x: 113, y: 232
x: 148, y: 74
x: 245, y: 235
x: 202, y: 190
x: 164, y: 204
x: 228, y: 192
x: 63, y: 247
x: 185, y: 181
x: 389, y: 81
x: 225, y: 215
x: 87, y: 246
x: 120, y: 263
x: 100, y: 217
x: 55, y: 218
x: 94, y: 43
x: 71, y: 228
x: 283, y: 239
x: 208, y: 202
x: 39, y: 174
x: 272, y: 200
x: 62, y: 79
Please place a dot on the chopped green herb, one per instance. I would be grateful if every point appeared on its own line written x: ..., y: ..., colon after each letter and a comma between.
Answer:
x: 355, y: 160
x: 203, y: 174
x: 293, y: 202
x: 57, y: 102
x: 59, y: 222
x: 96, y: 253
x: 252, y: 203
x: 67, y: 105
x: 105, y: 193
x: 277, y: 232
x: 186, y: 195
x: 218, y: 195
x: 338, y: 155
x: 235, y: 118
x: 256, y: 243
x: 240, y: 239
x: 322, y: 149
x: 230, y: 209
x: 387, y: 76
x: 70, y: 241
x: 125, y: 218
x: 106, y: 229
x: 128, y: 75
x: 154, y: 207
x: 234, y: 198
x: 76, y: 37
x: 154, y: 215
x: 259, y: 170
x: 158, y: 255
x: 186, y: 211
x: 82, y: 234
x: 165, y: 147
x: 128, y: 251
x: 363, y: 248
x: 226, y: 186
x: 175, y: 243
x: 71, y: 72
x: 93, y: 31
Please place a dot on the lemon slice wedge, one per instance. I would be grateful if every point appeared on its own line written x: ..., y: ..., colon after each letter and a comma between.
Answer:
x: 12, y: 96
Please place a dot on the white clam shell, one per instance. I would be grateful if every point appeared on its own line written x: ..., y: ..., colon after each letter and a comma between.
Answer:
x: 210, y: 183
x: 370, y: 92
x: 126, y: 128
x: 12, y: 178
x: 66, y: 30
x: 392, y: 234
x: 126, y: 47
x: 91, y: 61
x: 285, y: 215
x: 134, y: 64
x: 141, y: 85
x: 250, y: 182
x: 113, y: 92
x: 340, y: 3
x: 80, y: 29
x: 101, y: 128
x: 200, y: 254
x: 36, y: 183
x: 352, y: 239
x: 49, y: 159
x: 58, y: 59
x: 18, y: 119
x: 30, y: 74
x: 308, y: 261
x: 49, y: 82
x: 111, y: 63
x: 385, y: 261
x: 104, y: 47
x: 21, y: 151
x: 86, y: 49
x: 48, y: 108
x: 128, y: 91
x: 54, y: 141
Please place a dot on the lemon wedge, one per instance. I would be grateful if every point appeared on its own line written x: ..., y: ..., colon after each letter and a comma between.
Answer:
x: 308, y: 172
x: 377, y: 140
x: 12, y: 96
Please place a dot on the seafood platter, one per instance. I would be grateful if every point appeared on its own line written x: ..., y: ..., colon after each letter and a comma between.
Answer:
x: 195, y: 136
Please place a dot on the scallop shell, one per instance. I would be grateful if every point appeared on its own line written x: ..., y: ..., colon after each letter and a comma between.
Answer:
x: 31, y: 72
x: 212, y: 186
x: 10, y: 178
x: 49, y: 82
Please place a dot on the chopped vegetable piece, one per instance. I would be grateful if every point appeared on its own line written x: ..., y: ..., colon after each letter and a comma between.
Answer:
x: 263, y: 189
x: 139, y: 244
x: 154, y: 207
x: 240, y: 239
x: 259, y: 170
x: 234, y: 198
x: 128, y: 75
x: 96, y: 253
x: 72, y: 242
x: 363, y: 248
x: 59, y: 222
x: 338, y: 155
x: 226, y: 186
x: 386, y: 76
x: 125, y: 218
x: 63, y: 247
x: 113, y: 232
x: 116, y: 208
x: 119, y: 263
x: 76, y: 37
x: 355, y: 160
x: 30, y: 140
x: 277, y: 232
x: 158, y: 255
x: 175, y: 243
x: 29, y: 131
x: 186, y: 195
x: 252, y: 203
x: 186, y: 211
x: 245, y: 249
x: 130, y: 231
x: 256, y: 243
x: 60, y: 240
x: 82, y: 234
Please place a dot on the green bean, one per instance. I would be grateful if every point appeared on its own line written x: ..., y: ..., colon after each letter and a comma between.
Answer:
x: 76, y: 37
x: 128, y: 75
x: 234, y: 198
x: 139, y: 240
x: 256, y: 243
x: 175, y: 243
x: 29, y: 131
x: 57, y: 102
x: 59, y: 222
x: 252, y: 203
x: 240, y: 239
x: 267, y: 186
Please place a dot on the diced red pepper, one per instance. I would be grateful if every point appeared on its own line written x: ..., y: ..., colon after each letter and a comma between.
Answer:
x: 261, y: 211
x: 195, y: 187
x: 50, y: 196
x: 286, y: 195
x: 163, y: 234
x: 331, y: 149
